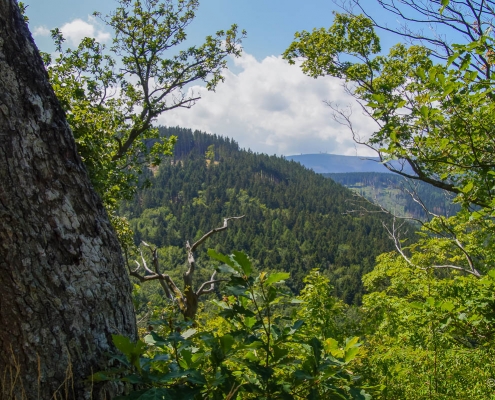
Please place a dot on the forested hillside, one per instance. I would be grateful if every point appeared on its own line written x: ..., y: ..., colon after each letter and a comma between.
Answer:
x: 295, y: 220
x: 399, y: 195
x: 96, y: 201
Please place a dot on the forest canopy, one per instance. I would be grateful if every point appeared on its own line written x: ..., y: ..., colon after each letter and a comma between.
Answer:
x: 307, y: 297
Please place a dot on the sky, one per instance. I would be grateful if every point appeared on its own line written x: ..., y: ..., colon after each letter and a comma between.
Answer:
x: 265, y: 104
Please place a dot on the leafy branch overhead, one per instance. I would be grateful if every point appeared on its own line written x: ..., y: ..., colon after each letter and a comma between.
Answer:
x: 112, y: 96
x: 144, y: 32
x: 437, y: 119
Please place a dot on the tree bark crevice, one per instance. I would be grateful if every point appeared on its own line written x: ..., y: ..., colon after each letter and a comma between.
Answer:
x: 64, y: 289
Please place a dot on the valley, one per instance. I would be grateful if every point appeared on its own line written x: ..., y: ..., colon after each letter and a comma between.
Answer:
x: 296, y: 220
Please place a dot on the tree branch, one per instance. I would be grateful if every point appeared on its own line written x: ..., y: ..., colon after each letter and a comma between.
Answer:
x: 211, y: 282
x: 166, y: 279
x: 393, y: 233
x: 213, y: 231
x: 188, y: 298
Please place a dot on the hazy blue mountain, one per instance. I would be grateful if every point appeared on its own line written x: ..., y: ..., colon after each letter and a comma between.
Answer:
x: 333, y: 163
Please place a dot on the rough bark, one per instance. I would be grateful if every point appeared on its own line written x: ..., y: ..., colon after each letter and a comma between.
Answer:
x: 63, y: 285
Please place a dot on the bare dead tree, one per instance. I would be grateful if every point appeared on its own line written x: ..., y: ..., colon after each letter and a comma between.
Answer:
x: 187, y: 299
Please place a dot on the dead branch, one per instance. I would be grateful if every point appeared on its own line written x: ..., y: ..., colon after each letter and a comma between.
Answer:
x: 163, y: 282
x: 188, y: 298
x: 213, y: 231
x: 394, y: 233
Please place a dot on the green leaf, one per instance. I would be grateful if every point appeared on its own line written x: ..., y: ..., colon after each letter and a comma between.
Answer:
x: 227, y: 341
x: 186, y: 358
x: 452, y: 58
x: 296, y: 326
x: 196, y: 377
x: 264, y: 373
x: 134, y: 379
x: 424, y: 111
x: 124, y: 344
x: 302, y: 375
x: 466, y: 61
x: 219, y: 256
x: 155, y: 394
x: 332, y: 344
x: 155, y: 339
x: 242, y: 259
x: 359, y: 394
x: 447, y: 306
x: 277, y: 277
x: 226, y: 269
x: 249, y: 321
x: 279, y: 353
x: 350, y: 354
x: 421, y: 73
x: 417, y: 305
x: 250, y: 356
x: 317, y: 347
x: 131, y: 350
x: 236, y: 290
x: 467, y: 188
x: 351, y: 343
x: 99, y: 377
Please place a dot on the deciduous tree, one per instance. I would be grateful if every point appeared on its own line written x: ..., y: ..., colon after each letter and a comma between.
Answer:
x: 113, y: 96
x: 436, y: 118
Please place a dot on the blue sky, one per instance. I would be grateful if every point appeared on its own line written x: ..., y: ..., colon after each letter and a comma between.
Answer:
x: 264, y: 104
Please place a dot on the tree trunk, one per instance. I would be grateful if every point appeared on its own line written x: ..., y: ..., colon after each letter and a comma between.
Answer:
x: 63, y: 286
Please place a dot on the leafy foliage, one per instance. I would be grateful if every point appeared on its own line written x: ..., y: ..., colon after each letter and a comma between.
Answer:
x: 112, y: 96
x: 436, y: 118
x: 428, y: 338
x: 251, y: 350
x: 429, y: 316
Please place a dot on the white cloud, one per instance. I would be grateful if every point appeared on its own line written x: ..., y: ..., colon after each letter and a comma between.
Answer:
x: 78, y: 29
x: 41, y: 31
x: 272, y: 107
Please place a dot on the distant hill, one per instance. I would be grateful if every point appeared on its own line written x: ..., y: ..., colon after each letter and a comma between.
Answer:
x: 393, y: 192
x: 296, y: 219
x: 333, y: 163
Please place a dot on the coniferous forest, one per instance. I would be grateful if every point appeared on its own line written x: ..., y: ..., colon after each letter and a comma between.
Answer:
x: 141, y: 262
x: 295, y: 220
x: 397, y: 194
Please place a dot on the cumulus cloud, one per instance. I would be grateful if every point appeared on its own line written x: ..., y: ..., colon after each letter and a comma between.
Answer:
x: 78, y: 29
x: 41, y: 31
x: 270, y: 106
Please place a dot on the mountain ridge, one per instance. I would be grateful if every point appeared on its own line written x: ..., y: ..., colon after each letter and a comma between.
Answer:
x: 336, y: 163
x: 296, y: 220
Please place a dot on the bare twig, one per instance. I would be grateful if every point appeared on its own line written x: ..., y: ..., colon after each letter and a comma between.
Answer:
x: 188, y: 298
x: 213, y: 231
x: 395, y: 236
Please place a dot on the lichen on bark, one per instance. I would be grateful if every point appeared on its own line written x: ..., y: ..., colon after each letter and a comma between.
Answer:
x: 63, y: 286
